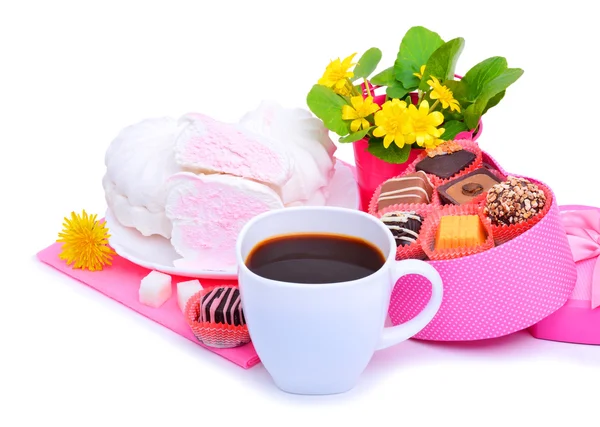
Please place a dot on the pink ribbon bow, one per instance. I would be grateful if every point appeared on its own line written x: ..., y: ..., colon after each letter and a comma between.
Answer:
x: 583, y: 232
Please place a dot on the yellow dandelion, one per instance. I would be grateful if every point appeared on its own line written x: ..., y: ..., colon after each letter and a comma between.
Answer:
x: 85, y: 242
x: 443, y: 94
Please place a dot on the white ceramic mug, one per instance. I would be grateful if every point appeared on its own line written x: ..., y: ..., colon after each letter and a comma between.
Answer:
x: 318, y: 339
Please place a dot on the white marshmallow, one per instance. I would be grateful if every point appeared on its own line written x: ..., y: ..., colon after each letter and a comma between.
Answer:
x: 205, y: 145
x: 208, y: 212
x: 185, y: 290
x: 307, y: 141
x: 138, y: 162
x: 155, y: 289
x: 197, y: 181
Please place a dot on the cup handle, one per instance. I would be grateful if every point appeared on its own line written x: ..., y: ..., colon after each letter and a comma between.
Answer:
x: 397, y: 334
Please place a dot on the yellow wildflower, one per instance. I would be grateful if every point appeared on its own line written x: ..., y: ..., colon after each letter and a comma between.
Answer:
x: 420, y: 74
x: 443, y: 94
x: 85, y: 242
x: 336, y: 74
x: 424, y: 125
x: 393, y: 123
x: 345, y: 90
x: 360, y: 109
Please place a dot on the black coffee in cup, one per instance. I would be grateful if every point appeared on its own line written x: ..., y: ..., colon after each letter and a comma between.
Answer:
x: 314, y: 258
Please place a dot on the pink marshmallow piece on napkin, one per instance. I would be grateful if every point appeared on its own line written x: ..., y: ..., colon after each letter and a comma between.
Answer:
x: 121, y: 282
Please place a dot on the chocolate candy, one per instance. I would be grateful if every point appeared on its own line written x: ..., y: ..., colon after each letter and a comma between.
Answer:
x: 459, y: 231
x: 446, y: 165
x: 464, y: 189
x: 404, y: 226
x: 411, y: 188
x: 445, y: 148
x: 222, y: 305
x: 513, y: 201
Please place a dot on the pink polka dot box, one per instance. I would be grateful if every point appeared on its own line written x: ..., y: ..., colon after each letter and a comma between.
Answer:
x: 496, y: 292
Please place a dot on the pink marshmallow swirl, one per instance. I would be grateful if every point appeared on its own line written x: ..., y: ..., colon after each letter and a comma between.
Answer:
x: 207, y: 145
x: 208, y: 212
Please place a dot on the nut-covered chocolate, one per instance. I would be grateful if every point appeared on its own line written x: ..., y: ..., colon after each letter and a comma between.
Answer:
x: 447, y: 147
x: 513, y: 201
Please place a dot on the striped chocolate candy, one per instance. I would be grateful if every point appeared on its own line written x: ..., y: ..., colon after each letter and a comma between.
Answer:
x: 404, y: 226
x: 222, y: 305
x: 411, y: 188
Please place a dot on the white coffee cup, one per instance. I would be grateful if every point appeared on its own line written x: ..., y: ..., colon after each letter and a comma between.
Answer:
x: 318, y: 339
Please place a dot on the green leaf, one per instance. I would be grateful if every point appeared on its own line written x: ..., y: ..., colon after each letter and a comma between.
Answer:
x: 385, y: 78
x: 491, y: 90
x: 478, y: 76
x: 442, y: 62
x: 415, y: 49
x: 367, y: 64
x: 450, y: 115
x: 396, y: 90
x: 471, y: 116
x: 392, y: 154
x: 356, y: 136
x: 453, y: 128
x: 494, y: 101
x: 327, y: 105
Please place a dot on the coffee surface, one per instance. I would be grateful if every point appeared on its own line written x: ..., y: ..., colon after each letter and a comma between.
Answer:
x: 314, y: 258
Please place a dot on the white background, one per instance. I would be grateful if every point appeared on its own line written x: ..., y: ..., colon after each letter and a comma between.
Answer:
x: 72, y: 74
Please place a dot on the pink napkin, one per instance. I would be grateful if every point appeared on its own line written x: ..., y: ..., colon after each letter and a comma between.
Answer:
x: 121, y: 282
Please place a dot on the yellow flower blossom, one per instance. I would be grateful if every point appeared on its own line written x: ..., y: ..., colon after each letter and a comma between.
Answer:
x: 425, y: 125
x: 345, y: 90
x: 360, y: 109
x: 393, y: 123
x: 443, y: 94
x: 337, y: 73
x: 85, y: 242
x: 420, y: 74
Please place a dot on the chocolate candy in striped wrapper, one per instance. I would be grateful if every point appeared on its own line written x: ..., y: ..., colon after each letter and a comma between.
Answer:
x: 404, y: 226
x: 222, y: 305
x: 411, y: 188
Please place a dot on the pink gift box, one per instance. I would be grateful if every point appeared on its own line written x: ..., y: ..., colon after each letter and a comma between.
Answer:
x: 578, y: 321
x: 497, y: 292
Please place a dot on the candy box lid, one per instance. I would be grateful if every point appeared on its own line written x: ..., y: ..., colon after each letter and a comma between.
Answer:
x: 578, y: 320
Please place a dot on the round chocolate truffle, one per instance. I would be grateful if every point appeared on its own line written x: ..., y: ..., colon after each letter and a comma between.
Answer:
x: 513, y: 201
x: 404, y: 226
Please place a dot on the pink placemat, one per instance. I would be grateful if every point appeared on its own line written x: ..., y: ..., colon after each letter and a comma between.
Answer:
x: 121, y: 282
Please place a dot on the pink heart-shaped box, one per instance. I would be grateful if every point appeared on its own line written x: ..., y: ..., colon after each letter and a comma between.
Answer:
x: 497, y: 292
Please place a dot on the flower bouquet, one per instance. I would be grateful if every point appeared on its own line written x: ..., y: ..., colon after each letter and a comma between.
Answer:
x: 424, y: 103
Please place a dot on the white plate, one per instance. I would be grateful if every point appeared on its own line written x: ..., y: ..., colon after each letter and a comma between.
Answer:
x: 156, y: 252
